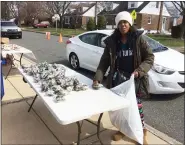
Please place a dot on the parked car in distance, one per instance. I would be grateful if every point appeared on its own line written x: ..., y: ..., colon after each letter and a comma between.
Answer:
x: 165, y: 77
x: 43, y: 24
x: 9, y: 29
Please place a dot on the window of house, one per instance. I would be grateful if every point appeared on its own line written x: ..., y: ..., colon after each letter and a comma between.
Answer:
x: 67, y: 20
x: 132, y: 5
x: 89, y: 39
x: 157, y: 4
x: 149, y: 20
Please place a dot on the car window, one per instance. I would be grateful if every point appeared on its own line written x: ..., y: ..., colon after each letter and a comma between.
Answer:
x: 8, y: 24
x: 44, y: 22
x: 154, y: 45
x: 89, y: 39
x: 100, y: 36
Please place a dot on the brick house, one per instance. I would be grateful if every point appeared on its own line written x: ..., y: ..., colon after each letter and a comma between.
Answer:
x: 147, y: 15
x: 78, y: 16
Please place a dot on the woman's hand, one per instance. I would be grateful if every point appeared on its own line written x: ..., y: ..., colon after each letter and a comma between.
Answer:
x: 136, y: 74
x: 95, y: 85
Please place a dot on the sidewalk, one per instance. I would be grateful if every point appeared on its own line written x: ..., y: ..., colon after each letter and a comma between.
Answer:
x: 40, y: 127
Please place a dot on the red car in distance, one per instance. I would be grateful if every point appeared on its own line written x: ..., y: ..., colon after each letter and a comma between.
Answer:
x: 43, y: 24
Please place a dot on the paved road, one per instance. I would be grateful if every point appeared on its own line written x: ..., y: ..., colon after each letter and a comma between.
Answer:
x: 163, y: 112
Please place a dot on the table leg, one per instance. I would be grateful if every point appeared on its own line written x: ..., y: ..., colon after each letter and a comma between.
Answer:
x: 32, y: 103
x: 24, y: 80
x: 21, y: 59
x: 98, y: 128
x: 9, y: 71
x: 79, y: 132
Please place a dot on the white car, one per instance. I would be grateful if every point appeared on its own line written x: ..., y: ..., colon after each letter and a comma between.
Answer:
x: 165, y: 77
x: 9, y: 29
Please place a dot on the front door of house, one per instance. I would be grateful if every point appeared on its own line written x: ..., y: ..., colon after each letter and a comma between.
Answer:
x: 164, y: 23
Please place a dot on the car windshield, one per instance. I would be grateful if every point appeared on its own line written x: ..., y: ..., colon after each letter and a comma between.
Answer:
x: 8, y: 24
x: 155, y: 46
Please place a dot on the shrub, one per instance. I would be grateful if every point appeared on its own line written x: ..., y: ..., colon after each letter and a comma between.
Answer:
x: 101, y: 23
x: 90, y: 24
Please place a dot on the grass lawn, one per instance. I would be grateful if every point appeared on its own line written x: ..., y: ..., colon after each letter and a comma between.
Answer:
x: 163, y: 39
x: 168, y: 40
x: 64, y: 32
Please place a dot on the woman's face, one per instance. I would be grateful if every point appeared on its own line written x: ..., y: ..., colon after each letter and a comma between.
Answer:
x: 124, y: 27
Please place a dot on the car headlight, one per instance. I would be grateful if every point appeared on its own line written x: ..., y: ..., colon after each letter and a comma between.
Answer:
x: 19, y: 29
x: 162, y: 70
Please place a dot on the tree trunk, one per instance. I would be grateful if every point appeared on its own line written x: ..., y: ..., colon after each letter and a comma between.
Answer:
x: 183, y: 27
x: 95, y: 17
x: 61, y: 21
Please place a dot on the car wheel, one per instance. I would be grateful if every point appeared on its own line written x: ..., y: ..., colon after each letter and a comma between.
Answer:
x: 74, y: 61
x: 20, y: 36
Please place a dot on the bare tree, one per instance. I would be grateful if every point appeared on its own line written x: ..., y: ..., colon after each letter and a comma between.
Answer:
x: 5, y: 11
x: 99, y: 6
x: 75, y: 19
x: 33, y: 10
x: 180, y: 6
x: 57, y: 7
x: 27, y: 11
x: 14, y: 7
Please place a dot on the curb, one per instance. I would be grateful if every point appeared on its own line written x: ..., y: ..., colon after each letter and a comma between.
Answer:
x: 162, y: 136
x: 16, y: 100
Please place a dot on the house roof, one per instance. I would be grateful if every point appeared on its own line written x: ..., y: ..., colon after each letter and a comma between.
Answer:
x: 76, y: 12
x: 123, y: 6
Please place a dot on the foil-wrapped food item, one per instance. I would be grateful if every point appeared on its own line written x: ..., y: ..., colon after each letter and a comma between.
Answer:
x: 53, y: 81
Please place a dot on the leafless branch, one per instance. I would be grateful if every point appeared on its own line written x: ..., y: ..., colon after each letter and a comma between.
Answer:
x: 181, y: 5
x: 174, y: 3
x: 178, y: 4
x: 67, y: 6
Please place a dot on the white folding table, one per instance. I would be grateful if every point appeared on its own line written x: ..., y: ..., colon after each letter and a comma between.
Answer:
x: 81, y: 105
x: 12, y: 49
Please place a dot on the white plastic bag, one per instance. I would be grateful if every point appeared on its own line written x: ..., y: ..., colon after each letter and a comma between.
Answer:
x: 128, y: 120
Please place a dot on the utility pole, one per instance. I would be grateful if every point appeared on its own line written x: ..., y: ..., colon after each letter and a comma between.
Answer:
x: 96, y: 13
x: 160, y: 17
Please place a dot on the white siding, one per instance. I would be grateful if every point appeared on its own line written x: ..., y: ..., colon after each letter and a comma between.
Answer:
x: 175, y: 22
x: 151, y: 9
x: 139, y: 3
x: 85, y: 8
x: 115, y: 5
x: 90, y: 12
x: 110, y: 26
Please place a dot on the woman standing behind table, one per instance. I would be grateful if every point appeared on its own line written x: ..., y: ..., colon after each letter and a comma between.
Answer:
x: 126, y: 53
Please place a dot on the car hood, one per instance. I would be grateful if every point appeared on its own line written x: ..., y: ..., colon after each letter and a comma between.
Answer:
x: 170, y: 59
x: 9, y: 27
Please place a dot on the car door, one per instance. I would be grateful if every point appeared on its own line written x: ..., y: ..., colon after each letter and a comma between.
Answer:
x: 89, y: 45
x: 97, y: 52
